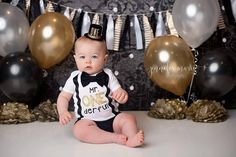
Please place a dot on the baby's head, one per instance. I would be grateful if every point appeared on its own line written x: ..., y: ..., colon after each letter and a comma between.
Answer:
x: 90, y: 54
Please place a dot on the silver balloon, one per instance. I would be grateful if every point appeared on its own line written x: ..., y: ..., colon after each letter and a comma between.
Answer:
x: 14, y: 28
x: 195, y: 20
x: 233, y: 6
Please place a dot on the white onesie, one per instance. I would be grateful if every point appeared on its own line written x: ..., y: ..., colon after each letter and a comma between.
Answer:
x: 92, y: 99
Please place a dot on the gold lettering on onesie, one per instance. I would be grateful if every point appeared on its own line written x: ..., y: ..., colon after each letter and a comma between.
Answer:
x: 94, y: 100
x: 94, y: 103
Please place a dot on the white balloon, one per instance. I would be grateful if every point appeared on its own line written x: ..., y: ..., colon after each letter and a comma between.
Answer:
x: 14, y: 28
x: 195, y: 20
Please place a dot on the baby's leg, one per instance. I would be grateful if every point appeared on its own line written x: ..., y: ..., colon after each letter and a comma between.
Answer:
x: 87, y: 131
x: 126, y: 124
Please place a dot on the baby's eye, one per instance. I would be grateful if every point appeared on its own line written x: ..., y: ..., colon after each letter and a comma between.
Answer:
x: 82, y: 57
x: 94, y: 56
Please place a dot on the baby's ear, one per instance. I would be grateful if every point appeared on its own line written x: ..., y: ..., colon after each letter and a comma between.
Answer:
x: 74, y: 57
x: 106, y: 57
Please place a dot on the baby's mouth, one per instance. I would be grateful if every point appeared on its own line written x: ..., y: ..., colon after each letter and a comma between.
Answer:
x: 88, y: 67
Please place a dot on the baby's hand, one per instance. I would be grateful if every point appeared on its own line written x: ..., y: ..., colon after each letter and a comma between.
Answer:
x: 65, y: 117
x: 120, y: 95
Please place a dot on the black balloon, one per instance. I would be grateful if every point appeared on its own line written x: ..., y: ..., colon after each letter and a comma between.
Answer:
x: 216, y: 73
x: 20, y: 77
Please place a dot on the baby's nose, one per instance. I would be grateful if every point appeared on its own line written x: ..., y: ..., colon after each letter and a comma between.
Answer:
x: 88, y: 61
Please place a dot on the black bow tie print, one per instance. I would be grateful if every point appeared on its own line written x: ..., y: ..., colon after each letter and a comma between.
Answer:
x: 99, y: 78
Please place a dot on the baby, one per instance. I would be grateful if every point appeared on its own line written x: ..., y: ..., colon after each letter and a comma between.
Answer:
x: 95, y: 91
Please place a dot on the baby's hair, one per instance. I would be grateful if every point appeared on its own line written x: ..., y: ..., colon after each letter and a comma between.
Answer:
x: 84, y: 38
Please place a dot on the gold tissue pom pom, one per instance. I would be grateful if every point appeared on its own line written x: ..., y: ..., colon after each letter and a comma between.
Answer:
x: 206, y: 111
x: 168, y: 109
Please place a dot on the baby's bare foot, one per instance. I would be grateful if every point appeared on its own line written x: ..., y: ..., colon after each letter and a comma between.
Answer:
x: 120, y: 139
x: 136, y: 140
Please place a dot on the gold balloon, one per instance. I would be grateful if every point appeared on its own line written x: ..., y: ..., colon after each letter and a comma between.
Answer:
x: 169, y: 63
x: 51, y: 38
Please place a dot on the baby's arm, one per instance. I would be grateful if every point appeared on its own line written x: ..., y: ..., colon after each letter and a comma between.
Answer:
x: 62, y: 106
x: 120, y: 95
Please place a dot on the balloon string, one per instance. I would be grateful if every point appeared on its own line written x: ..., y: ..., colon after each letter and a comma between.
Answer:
x: 190, y: 88
x: 195, y: 72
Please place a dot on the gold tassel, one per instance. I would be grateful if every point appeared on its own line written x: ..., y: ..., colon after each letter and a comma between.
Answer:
x: 118, y: 27
x: 148, y: 33
x: 221, y: 23
x: 96, y: 19
x: 170, y: 24
x: 49, y: 7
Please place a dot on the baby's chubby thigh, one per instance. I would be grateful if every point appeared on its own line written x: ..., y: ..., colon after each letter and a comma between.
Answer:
x: 82, y: 127
x: 124, y: 121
